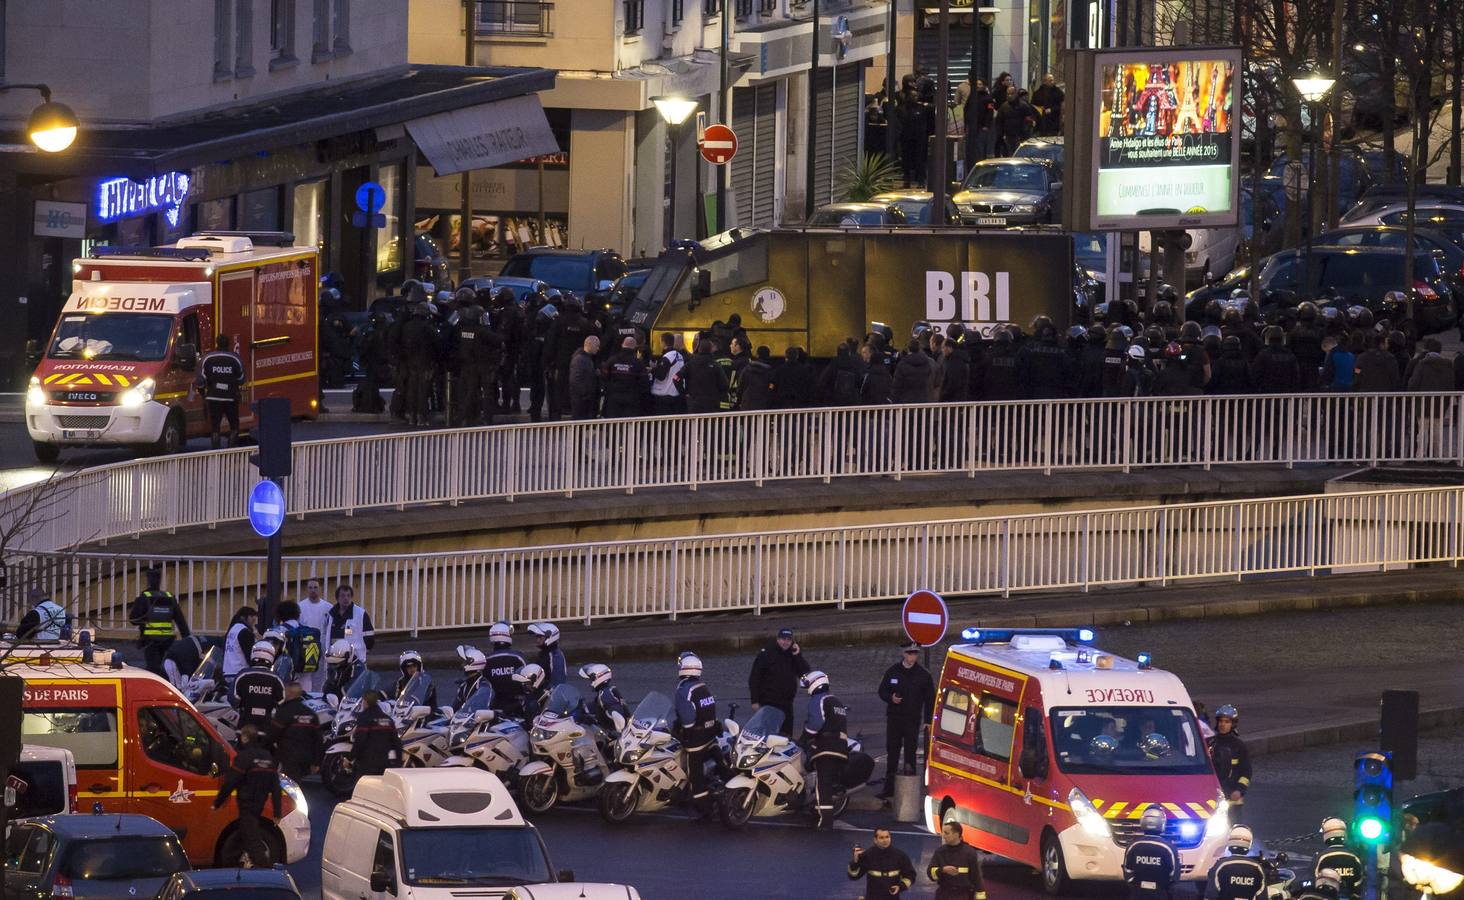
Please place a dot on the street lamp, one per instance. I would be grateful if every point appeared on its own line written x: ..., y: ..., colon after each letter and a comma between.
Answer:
x: 1312, y: 87
x: 1432, y: 859
x: 52, y: 126
x: 674, y: 111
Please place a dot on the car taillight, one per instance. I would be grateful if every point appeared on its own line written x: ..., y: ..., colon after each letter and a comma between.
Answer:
x: 1424, y: 291
x: 61, y: 887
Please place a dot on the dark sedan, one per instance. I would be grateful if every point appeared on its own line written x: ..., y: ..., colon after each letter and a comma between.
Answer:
x: 916, y: 206
x: 1004, y: 192
x: 857, y: 215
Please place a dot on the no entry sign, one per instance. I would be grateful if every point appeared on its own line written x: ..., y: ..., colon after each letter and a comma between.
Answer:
x: 925, y: 618
x: 718, y: 144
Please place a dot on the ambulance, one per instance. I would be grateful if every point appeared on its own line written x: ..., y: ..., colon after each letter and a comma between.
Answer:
x: 121, y: 366
x: 1048, y: 750
x: 140, y: 747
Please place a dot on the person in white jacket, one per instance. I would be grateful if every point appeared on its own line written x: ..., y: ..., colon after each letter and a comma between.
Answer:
x: 314, y: 613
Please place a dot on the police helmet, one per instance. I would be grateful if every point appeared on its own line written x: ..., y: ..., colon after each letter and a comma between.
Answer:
x: 1240, y: 840
x: 411, y: 284
x: 501, y: 633
x: 1274, y: 336
x: 409, y: 658
x: 1001, y: 335
x: 814, y: 682
x: 597, y: 674
x: 1211, y: 331
x: 1228, y: 711
x: 472, y: 313
x: 1154, y: 746
x: 689, y: 665
x: 1097, y: 335
x: 1137, y: 352
x: 473, y: 659
x: 548, y: 311
x: 546, y: 631
x: 443, y: 297
x: 1334, y: 831
x: 1306, y: 311
x: 531, y: 675
x: 1231, y: 317
x: 1328, y: 883
x: 1190, y: 332
x: 262, y: 653
x: 920, y: 329
x: 1213, y: 311
x: 1116, y: 340
x: 1167, y: 292
x: 1153, y: 820
x: 1042, y: 327
x: 1100, y: 312
x: 1162, y: 313
x: 1077, y: 335
x: 552, y: 295
x: 1173, y: 350
x: 503, y: 296
x: 340, y: 651
x: 1102, y: 746
x: 1155, y: 336
x: 1360, y: 316
x: 465, y: 296
x: 1127, y: 332
x: 1331, y: 313
x: 277, y: 637
x: 1231, y: 344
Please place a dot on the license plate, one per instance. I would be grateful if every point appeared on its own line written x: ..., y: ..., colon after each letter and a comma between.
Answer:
x: 80, y: 434
x: 79, y: 396
x: 991, y: 220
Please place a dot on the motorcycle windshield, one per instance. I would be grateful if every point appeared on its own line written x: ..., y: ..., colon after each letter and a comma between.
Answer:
x: 361, y: 684
x: 652, y: 713
x: 208, y: 665
x: 415, y: 693
x: 764, y: 722
x: 478, y: 700
x: 284, y: 668
x: 563, y: 700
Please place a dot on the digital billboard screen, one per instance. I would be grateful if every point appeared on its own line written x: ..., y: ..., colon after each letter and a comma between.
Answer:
x: 1166, y: 140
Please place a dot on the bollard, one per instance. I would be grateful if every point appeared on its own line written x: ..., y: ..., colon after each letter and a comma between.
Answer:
x: 909, y: 794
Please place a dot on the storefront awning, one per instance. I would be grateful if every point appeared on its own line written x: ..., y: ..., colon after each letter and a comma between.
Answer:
x: 483, y: 136
x: 391, y: 98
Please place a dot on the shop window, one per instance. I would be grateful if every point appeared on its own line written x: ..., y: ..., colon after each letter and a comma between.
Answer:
x: 216, y: 215
x: 244, y: 38
x: 308, y: 215
x: 997, y: 720
x: 223, y: 39
x: 260, y: 211
x: 175, y: 738
x: 389, y: 237
x: 281, y: 32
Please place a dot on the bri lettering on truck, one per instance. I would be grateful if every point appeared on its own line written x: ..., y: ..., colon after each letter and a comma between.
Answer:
x: 983, y: 297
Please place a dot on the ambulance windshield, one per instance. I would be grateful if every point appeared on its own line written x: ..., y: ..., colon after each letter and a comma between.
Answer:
x: 1120, y: 740
x: 130, y: 336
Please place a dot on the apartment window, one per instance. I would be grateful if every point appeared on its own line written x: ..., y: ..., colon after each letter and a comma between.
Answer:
x: 529, y: 17
x: 635, y: 16
x: 678, y: 11
x: 223, y: 39
x: 767, y: 7
x: 281, y: 32
x: 341, y: 46
x: 711, y: 8
x: 243, y: 38
x: 744, y: 8
x: 320, y: 31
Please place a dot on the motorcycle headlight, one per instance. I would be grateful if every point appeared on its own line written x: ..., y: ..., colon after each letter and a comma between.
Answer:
x: 1088, y: 816
x: 139, y: 394
x: 541, y: 734
x: 35, y: 396
x: 297, y: 796
x: 749, y: 759
x: 1219, y: 825
x: 632, y: 755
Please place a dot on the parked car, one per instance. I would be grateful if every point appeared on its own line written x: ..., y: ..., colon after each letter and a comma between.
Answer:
x: 230, y: 884
x: 1351, y: 276
x: 91, y: 857
x: 48, y: 775
x: 1046, y: 148
x: 1212, y: 252
x: 1003, y: 192
x: 1196, y: 300
x: 1426, y: 210
x: 627, y: 288
x: 867, y: 214
x: 588, y: 274
x: 1090, y: 252
x: 1448, y: 249
x: 916, y: 206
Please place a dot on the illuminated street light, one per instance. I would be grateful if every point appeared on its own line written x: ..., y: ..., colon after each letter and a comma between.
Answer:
x: 674, y: 110
x: 52, y: 126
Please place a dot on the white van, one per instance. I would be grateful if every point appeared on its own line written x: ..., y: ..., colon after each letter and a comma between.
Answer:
x: 430, y: 833
x: 47, y: 777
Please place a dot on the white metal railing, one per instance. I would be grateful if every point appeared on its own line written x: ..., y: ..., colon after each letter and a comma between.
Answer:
x: 1078, y: 550
x: 509, y: 461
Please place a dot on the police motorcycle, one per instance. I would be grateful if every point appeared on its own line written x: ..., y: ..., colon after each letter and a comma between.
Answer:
x: 209, y: 697
x: 335, y: 770
x: 771, y: 778
x: 567, y: 764
x: 652, y: 769
x: 1279, y: 880
x: 423, y: 729
x: 477, y: 737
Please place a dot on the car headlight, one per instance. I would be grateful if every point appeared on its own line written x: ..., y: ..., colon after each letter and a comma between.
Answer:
x: 139, y: 394
x: 1087, y: 816
x: 297, y: 796
x: 966, y: 209
x: 35, y: 396
x: 1219, y: 825
x: 1024, y: 207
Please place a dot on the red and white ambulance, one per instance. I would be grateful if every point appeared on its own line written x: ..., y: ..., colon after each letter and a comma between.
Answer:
x: 121, y: 366
x: 1049, y: 750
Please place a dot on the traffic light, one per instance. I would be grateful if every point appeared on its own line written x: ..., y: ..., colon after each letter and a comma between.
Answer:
x: 1372, y: 797
x: 272, y: 430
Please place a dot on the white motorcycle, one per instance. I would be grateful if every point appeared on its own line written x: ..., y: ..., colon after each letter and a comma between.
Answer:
x: 477, y: 737
x: 335, y: 772
x: 567, y: 764
x: 653, y: 769
x: 771, y: 778
x: 423, y: 729
x: 210, y: 697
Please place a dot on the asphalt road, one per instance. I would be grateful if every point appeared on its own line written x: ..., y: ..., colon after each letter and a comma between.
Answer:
x: 1279, y: 669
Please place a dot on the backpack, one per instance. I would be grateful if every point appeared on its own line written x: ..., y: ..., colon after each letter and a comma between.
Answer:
x: 304, y: 648
x: 846, y: 387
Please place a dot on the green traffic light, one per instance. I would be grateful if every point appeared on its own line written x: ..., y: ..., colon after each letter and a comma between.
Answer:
x: 1370, y: 829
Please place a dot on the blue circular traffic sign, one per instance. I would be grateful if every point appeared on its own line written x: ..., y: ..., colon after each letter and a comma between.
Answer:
x: 266, y: 508
x: 370, y: 197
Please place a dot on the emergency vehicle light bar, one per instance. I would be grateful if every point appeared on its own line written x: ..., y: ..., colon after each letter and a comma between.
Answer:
x: 186, y: 254
x: 1005, y: 635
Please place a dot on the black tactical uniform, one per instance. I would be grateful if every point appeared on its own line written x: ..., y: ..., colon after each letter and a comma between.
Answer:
x: 257, y: 691
x: 479, y: 356
x: 1151, y: 868
x: 1238, y: 878
x: 255, y: 777
x: 827, y: 733
x: 295, y: 734
x: 418, y: 346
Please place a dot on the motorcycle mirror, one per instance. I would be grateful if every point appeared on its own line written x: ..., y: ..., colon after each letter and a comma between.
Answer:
x: 566, y: 874
x: 445, y: 711
x: 776, y: 741
x: 332, y: 701
x: 483, y: 715
x: 419, y: 711
x: 733, y: 729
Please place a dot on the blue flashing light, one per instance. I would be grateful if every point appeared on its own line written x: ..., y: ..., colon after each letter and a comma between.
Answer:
x: 1189, y: 830
x: 971, y: 634
x: 1005, y: 635
x: 1145, y: 660
x: 1086, y: 636
x: 1054, y: 663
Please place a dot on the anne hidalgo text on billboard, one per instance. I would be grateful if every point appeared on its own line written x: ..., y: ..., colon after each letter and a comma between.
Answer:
x: 1166, y: 148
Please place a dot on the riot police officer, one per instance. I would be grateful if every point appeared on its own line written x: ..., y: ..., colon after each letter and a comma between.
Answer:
x: 419, y: 355
x: 1339, y: 859
x: 500, y: 667
x: 508, y: 320
x: 826, y: 734
x: 533, y: 691
x: 536, y: 362
x: 479, y: 356
x: 410, y: 663
x: 1231, y: 759
x: 551, y: 655
x: 1150, y: 865
x: 1238, y: 876
x: 258, y: 690
x: 156, y: 613
x: 295, y: 733
x: 474, y: 662
x: 1325, y: 886
x: 697, y: 728
x: 254, y: 776
x: 606, y: 699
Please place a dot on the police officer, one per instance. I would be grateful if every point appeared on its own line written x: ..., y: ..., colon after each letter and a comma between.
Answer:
x: 221, y: 375
x: 1325, y: 886
x: 375, y: 364
x: 606, y: 699
x: 955, y: 866
x: 697, y: 727
x: 375, y: 744
x: 533, y: 691
x: 887, y: 870
x: 1306, y: 343
x: 1002, y: 382
x: 773, y: 680
x: 294, y: 731
x: 908, y: 695
x: 254, y: 777
x: 1231, y: 759
x: 418, y: 353
x: 342, y: 666
x: 567, y: 336
x: 1238, y: 876
x: 508, y: 321
x: 258, y: 690
x: 479, y: 356
x: 410, y: 663
x: 156, y: 613
x: 1044, y: 370
x: 627, y: 384
x: 473, y: 663
x: 1339, y: 859
x: 551, y: 655
x: 537, y: 362
x: 500, y: 666
x: 45, y: 621
x: 826, y: 732
x: 1150, y: 865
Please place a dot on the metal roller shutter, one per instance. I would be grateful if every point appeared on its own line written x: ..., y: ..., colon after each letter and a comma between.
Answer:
x: 754, y: 118
x: 840, y: 118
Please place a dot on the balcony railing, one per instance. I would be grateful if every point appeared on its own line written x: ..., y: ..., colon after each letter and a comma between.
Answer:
x: 531, y: 18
